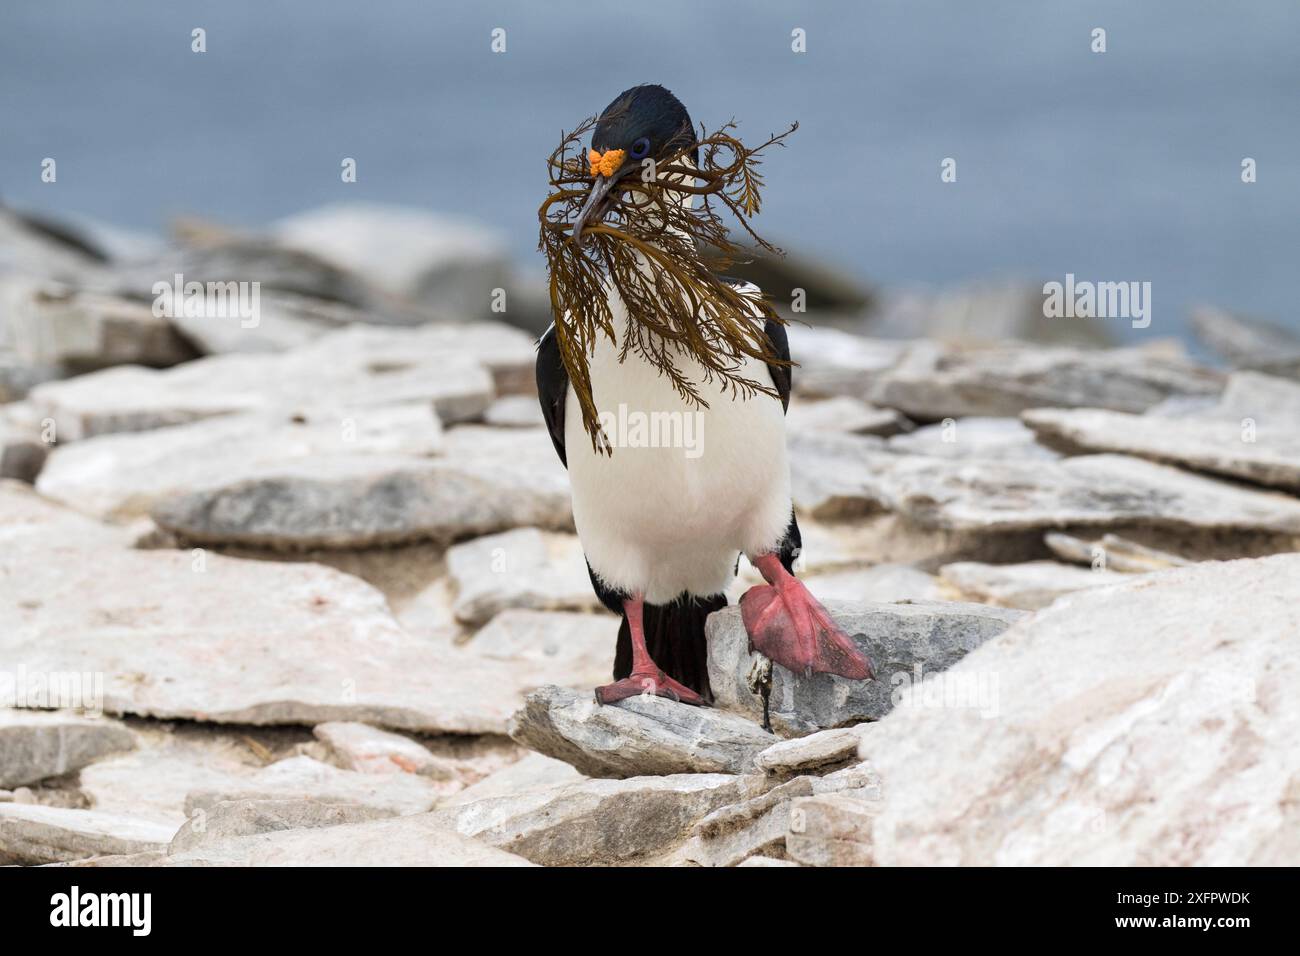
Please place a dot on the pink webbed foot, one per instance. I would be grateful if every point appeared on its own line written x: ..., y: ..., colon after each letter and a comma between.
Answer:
x: 655, y: 683
x: 789, y: 625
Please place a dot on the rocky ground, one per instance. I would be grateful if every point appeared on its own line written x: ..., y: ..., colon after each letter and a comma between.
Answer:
x: 316, y: 587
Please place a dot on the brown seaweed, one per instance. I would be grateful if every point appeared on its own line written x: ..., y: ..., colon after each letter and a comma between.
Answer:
x: 647, y: 247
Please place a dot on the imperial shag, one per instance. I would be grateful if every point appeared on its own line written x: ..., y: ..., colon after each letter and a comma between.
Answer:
x: 663, y: 527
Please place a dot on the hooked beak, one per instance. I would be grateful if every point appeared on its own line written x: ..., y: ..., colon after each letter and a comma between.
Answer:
x: 592, y: 208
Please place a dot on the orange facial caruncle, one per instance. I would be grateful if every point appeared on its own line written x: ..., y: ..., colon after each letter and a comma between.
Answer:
x: 605, y: 164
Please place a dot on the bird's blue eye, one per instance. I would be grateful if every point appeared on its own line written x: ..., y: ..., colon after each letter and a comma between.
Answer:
x: 640, y: 148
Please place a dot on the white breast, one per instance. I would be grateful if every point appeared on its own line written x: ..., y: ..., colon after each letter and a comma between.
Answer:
x: 686, y: 488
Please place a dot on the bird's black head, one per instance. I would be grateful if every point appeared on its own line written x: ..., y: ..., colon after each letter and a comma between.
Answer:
x: 643, y: 123
x: 646, y: 122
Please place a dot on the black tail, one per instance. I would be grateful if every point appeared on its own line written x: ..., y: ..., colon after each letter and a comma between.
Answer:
x: 674, y: 636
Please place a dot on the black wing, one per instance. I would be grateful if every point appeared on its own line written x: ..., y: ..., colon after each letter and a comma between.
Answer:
x: 553, y: 387
x: 782, y: 376
x: 775, y: 331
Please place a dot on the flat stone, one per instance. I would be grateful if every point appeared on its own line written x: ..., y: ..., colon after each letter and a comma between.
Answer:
x: 1184, y: 754
x: 845, y: 414
x: 833, y: 829
x: 24, y: 443
x: 599, y: 821
x: 239, y: 818
x: 39, y: 744
x: 823, y: 749
x: 206, y: 637
x: 844, y: 477
x: 416, y: 255
x: 515, y: 411
x: 904, y: 641
x: 174, y: 760
x: 417, y: 840
x: 998, y: 438
x: 121, y: 477
x: 35, y: 834
x: 639, y: 736
x: 1029, y: 586
x: 554, y: 647
x: 486, y: 480
x: 884, y: 582
x: 833, y: 362
x: 766, y: 861
x: 52, y: 324
x: 532, y: 772
x: 930, y: 383
x: 367, y: 749
x: 1263, y: 447
x: 285, y: 320
x: 523, y: 568
x: 302, y: 778
x: 761, y: 824
x: 1248, y: 343
x: 451, y: 367
x: 1112, y: 552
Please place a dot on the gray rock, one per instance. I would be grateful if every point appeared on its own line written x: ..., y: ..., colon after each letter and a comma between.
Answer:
x: 230, y: 819
x: 39, y: 744
x: 844, y: 414
x: 22, y: 449
x: 452, y: 367
x: 417, y: 840
x: 1262, y: 446
x: 884, y: 582
x: 173, y: 760
x: 1189, y: 729
x: 486, y: 480
x: 997, y: 438
x: 982, y: 312
x: 514, y: 411
x: 1112, y: 552
x: 1029, y: 586
x: 766, y: 861
x: 31, y: 833
x: 932, y: 384
x: 367, y: 749
x: 824, y: 749
x: 600, y: 821
x: 1248, y: 343
x: 18, y: 376
x: 639, y: 736
x: 121, y: 477
x: 523, y: 568
x: 415, y: 255
x: 574, y: 650
x: 841, y: 477
x: 833, y: 829
x: 761, y: 825
x: 533, y: 772
x: 30, y: 247
x: 302, y: 778
x: 285, y: 320
x: 904, y: 641
x: 833, y: 362
x: 173, y: 634
x: 50, y: 324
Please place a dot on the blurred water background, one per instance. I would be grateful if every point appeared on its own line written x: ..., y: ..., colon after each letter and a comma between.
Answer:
x: 1115, y: 166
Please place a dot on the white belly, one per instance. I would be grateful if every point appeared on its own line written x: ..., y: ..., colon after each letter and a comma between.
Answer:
x: 686, y: 490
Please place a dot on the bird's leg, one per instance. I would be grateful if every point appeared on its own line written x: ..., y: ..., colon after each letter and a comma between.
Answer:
x: 646, y: 677
x: 787, y: 624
